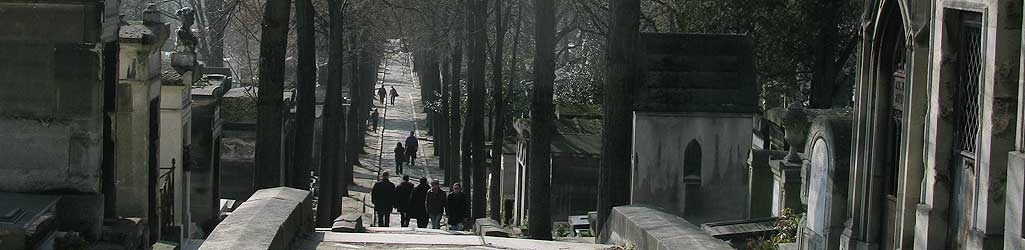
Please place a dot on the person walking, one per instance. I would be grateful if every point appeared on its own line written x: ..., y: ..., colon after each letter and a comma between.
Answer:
x: 400, y: 155
x: 402, y: 193
x: 381, y: 93
x: 374, y: 117
x: 411, y: 147
x: 456, y: 207
x: 436, y: 200
x: 393, y: 95
x: 383, y: 197
x: 417, y: 208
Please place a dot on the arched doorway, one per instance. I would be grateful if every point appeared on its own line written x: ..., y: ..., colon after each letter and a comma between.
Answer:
x: 692, y: 176
x: 893, y: 84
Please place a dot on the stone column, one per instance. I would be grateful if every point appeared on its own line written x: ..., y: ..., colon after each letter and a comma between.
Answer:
x: 137, y: 88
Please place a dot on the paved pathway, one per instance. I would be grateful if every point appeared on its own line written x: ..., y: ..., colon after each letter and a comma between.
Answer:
x: 407, y: 115
x: 398, y: 120
x: 337, y: 241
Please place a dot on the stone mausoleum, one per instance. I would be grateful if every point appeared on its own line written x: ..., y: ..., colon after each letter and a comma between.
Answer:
x: 693, y: 115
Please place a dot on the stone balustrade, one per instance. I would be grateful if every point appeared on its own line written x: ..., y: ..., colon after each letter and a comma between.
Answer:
x: 271, y: 219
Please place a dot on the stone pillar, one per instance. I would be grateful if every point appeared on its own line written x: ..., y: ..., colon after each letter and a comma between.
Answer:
x: 786, y: 187
x: 1014, y: 238
x: 761, y: 182
x: 176, y: 119
x: 137, y: 88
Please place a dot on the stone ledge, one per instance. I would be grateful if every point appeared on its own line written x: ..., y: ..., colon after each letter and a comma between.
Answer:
x: 648, y: 228
x: 272, y: 218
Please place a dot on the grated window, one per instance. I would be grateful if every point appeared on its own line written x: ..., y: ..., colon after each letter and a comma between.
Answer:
x: 967, y: 89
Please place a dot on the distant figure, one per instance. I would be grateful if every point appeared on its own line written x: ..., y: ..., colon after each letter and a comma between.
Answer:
x: 383, y: 197
x: 436, y: 200
x: 393, y: 95
x: 374, y: 117
x: 402, y: 199
x: 412, y: 144
x: 418, y: 203
x: 456, y: 208
x: 381, y: 93
x: 400, y: 155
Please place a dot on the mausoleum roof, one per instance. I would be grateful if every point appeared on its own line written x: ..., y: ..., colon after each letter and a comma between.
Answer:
x: 683, y: 73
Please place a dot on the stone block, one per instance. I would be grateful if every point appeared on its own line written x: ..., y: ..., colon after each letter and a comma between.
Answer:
x: 649, y: 228
x: 81, y: 213
x: 489, y: 227
x: 348, y: 223
x: 272, y: 218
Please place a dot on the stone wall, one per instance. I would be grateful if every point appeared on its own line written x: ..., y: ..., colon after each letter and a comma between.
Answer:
x: 660, y: 142
x: 51, y: 108
x: 271, y: 219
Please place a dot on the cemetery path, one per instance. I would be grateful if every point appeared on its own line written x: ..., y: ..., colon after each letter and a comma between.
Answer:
x: 396, y: 122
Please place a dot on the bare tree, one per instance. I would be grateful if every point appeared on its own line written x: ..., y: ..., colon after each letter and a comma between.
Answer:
x: 273, y: 40
x: 542, y: 110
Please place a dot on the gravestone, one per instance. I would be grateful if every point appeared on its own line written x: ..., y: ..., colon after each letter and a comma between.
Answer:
x: 827, y: 173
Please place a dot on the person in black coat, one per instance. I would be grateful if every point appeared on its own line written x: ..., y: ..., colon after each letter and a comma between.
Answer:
x: 417, y: 207
x: 436, y: 200
x: 400, y: 156
x: 383, y: 197
x: 402, y: 193
x: 456, y: 207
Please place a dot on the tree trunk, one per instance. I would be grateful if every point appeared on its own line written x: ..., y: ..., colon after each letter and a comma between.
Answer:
x: 269, y: 108
x: 477, y: 37
x: 217, y: 21
x: 823, y: 85
x: 442, y: 139
x: 542, y: 110
x: 306, y: 76
x: 329, y: 206
x: 356, y: 127
x: 458, y: 150
x: 623, y: 40
x: 498, y: 136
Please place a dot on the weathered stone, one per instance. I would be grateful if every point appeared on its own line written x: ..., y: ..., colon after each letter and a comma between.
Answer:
x: 825, y: 182
x: 649, y: 228
x: 348, y: 223
x: 271, y: 219
x: 489, y: 227
x: 710, y: 146
x: 52, y: 139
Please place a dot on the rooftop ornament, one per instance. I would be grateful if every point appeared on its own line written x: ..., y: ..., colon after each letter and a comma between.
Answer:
x: 795, y: 123
x: 186, y: 40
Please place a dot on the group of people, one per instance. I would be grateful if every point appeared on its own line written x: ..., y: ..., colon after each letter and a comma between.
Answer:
x: 422, y: 202
x: 381, y: 93
x: 406, y: 154
x: 375, y: 116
